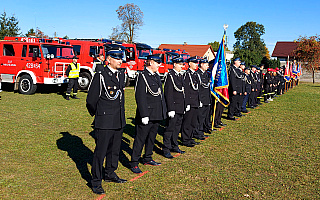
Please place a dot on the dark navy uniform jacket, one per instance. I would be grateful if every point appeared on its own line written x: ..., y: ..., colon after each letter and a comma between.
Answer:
x: 173, y: 92
x: 248, y: 83
x: 191, y: 89
x: 204, y: 87
x: 105, y: 100
x: 149, y: 97
x: 254, y: 83
x: 235, y: 80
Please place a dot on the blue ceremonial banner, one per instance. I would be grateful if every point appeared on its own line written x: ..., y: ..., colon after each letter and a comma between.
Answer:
x: 294, y: 69
x: 219, y: 77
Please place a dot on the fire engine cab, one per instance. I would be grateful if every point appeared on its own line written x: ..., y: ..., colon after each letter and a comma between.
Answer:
x: 30, y: 62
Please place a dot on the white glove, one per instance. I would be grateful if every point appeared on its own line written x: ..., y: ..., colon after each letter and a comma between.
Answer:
x: 187, y: 108
x: 201, y: 104
x: 171, y: 114
x: 145, y: 120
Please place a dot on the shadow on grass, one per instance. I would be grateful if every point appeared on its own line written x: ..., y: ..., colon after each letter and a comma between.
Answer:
x: 78, y: 152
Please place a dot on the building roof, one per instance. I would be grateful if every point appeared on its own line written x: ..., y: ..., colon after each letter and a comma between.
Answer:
x: 193, y: 50
x: 284, y: 49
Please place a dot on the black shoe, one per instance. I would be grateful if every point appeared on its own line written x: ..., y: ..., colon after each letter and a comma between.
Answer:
x: 238, y: 115
x: 153, y: 163
x: 116, y: 179
x: 75, y: 97
x: 206, y: 136
x: 260, y: 103
x: 231, y: 118
x: 67, y: 98
x: 266, y: 101
x: 199, y: 137
x: 194, y: 142
x: 245, y: 111
x: 189, y: 145
x: 179, y: 151
x: 251, y: 107
x: 168, y: 155
x: 136, y: 170
x: 98, y: 189
x: 222, y: 124
x: 217, y: 126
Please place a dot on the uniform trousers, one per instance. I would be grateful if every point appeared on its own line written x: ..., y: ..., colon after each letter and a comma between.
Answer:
x: 252, y: 98
x: 244, y: 102
x: 73, y: 83
x: 171, y: 134
x: 145, y: 136
x: 267, y: 90
x: 188, y: 125
x: 218, y: 113
x: 107, y: 146
x: 258, y: 94
x: 239, y: 104
x: 201, y: 126
x: 234, y: 102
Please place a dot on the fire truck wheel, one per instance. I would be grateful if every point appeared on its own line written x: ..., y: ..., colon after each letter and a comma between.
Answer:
x: 26, y: 85
x: 84, y: 80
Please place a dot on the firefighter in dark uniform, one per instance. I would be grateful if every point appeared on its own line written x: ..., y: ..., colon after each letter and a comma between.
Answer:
x: 72, y: 72
x: 282, y: 81
x: 99, y: 64
x: 151, y: 109
x: 243, y: 84
x: 247, y: 91
x: 105, y: 101
x: 191, y: 90
x: 205, y: 100
x: 254, y: 87
x: 267, y: 86
x: 276, y: 81
x: 235, y: 88
x: 257, y: 100
x: 174, y: 96
x: 273, y: 78
x: 260, y: 81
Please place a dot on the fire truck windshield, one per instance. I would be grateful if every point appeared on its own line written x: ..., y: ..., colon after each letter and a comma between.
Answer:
x: 143, y: 53
x: 58, y: 51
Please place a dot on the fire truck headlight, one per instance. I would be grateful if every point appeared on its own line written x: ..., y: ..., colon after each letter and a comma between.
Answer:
x: 48, y: 56
x: 52, y: 56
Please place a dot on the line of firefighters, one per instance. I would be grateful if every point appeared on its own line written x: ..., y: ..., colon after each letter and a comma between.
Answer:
x: 185, y: 102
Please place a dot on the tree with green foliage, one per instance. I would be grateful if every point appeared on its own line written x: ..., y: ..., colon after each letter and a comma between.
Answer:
x: 8, y: 26
x: 38, y: 33
x: 215, y: 46
x: 249, y: 46
x: 30, y: 32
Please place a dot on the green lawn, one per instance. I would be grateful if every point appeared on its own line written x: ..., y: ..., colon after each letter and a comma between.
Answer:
x: 272, y: 153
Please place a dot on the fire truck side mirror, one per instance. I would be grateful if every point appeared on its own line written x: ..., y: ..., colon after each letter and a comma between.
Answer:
x: 35, y: 52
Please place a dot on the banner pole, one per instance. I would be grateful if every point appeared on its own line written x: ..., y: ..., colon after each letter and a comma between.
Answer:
x: 214, y: 113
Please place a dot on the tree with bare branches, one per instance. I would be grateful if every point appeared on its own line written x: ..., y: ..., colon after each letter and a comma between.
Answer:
x: 132, y: 19
x: 308, y: 51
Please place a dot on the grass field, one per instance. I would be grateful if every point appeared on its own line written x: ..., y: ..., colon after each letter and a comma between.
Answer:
x: 272, y: 153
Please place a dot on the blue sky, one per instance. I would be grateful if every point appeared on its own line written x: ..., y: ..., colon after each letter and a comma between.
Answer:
x: 170, y: 21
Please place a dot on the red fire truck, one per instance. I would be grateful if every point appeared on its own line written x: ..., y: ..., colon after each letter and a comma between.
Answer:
x: 85, y: 49
x: 29, y: 63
